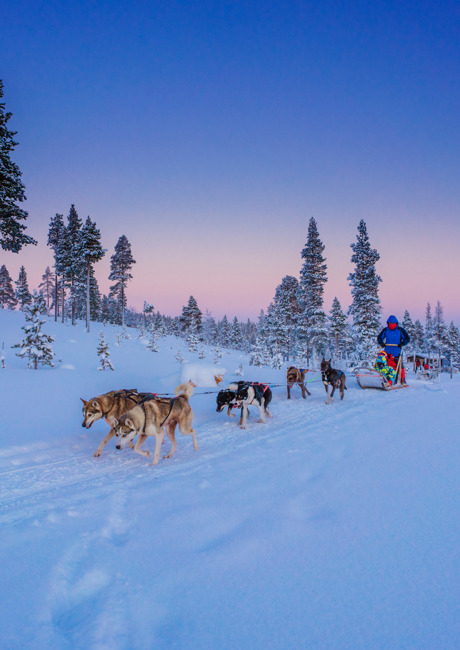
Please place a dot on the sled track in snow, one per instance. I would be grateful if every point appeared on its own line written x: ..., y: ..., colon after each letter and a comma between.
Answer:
x: 41, y: 477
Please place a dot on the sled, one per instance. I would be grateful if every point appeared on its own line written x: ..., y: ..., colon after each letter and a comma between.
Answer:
x: 369, y: 378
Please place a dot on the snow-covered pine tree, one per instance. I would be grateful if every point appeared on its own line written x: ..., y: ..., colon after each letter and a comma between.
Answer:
x: 179, y: 356
x: 12, y: 190
x: 120, y: 266
x: 152, y: 345
x: 248, y: 330
x: 36, y: 345
x: 440, y: 331
x: 419, y: 337
x: 283, y: 316
x: 46, y: 288
x: 365, y: 307
x: 23, y: 295
x: 89, y: 251
x: 453, y: 344
x: 337, y: 326
x: 429, y: 330
x: 209, y: 329
x: 147, y: 312
x: 257, y: 354
x: 55, y: 234
x: 191, y: 319
x: 312, y: 280
x: 8, y: 299
x: 75, y: 268
x: 223, y: 331
x: 103, y: 353
x: 236, y: 338
x: 409, y: 326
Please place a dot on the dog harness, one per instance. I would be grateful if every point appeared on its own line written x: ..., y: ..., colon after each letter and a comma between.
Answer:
x: 325, y: 376
x: 130, y: 393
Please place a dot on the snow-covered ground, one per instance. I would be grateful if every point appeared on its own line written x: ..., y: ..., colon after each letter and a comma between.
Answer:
x: 328, y: 527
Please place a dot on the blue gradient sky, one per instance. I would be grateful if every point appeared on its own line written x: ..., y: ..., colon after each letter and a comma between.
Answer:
x: 210, y: 132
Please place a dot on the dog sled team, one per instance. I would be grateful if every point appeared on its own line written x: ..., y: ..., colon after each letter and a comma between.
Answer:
x: 130, y: 413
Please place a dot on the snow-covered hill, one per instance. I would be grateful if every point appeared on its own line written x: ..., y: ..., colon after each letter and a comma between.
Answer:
x: 329, y: 527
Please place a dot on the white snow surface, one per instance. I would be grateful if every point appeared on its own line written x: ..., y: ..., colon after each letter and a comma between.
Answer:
x: 328, y: 527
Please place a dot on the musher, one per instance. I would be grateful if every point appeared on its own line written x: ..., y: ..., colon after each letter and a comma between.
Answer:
x: 394, y: 338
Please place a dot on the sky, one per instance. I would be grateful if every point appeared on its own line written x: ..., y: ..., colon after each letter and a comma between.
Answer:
x: 209, y: 133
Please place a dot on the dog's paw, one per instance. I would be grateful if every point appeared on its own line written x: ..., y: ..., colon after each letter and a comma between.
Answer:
x: 97, y: 453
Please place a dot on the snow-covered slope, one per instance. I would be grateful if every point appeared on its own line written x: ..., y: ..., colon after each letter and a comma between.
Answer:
x: 329, y: 527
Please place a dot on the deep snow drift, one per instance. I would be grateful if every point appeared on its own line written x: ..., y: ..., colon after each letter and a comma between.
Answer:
x: 328, y: 527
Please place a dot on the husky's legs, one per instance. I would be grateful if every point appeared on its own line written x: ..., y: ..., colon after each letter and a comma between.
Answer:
x: 170, y: 432
x: 104, y: 441
x: 140, y: 441
x: 159, y: 437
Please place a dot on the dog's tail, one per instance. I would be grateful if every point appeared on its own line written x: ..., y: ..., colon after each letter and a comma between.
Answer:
x: 185, y: 389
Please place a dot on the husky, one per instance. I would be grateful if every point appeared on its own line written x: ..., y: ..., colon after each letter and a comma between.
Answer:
x: 334, y: 378
x: 296, y: 376
x: 150, y: 416
x: 109, y: 406
x: 259, y: 395
x: 227, y: 398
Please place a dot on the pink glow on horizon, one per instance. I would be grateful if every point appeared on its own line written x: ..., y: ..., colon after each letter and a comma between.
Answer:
x: 236, y: 276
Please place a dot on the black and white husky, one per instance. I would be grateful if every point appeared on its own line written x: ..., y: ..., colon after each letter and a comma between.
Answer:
x: 243, y: 394
x: 253, y: 393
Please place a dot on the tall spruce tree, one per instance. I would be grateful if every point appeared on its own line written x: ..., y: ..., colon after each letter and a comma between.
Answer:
x: 46, y: 288
x: 439, y: 331
x: 55, y: 234
x: 337, y: 325
x: 120, y: 266
x: 89, y: 251
x: 8, y: 299
x: 236, y: 338
x: 223, y: 331
x: 365, y: 307
x: 429, y: 330
x: 409, y: 326
x: 75, y: 266
x: 284, y: 315
x: 419, y: 337
x: 453, y: 344
x: 23, y: 295
x: 312, y: 280
x: 12, y: 190
x: 191, y: 322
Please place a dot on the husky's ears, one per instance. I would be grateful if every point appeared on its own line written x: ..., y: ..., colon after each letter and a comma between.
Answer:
x: 84, y: 401
x: 95, y: 403
x: 129, y: 423
x: 115, y: 422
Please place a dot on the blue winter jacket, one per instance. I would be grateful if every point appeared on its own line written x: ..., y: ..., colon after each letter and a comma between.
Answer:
x: 393, y: 340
